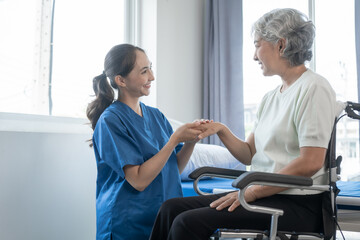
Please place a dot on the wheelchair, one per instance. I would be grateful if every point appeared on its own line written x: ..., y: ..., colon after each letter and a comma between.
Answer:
x: 244, y: 179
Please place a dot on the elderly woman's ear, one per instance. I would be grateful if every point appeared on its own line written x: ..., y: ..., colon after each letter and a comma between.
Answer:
x: 281, y: 45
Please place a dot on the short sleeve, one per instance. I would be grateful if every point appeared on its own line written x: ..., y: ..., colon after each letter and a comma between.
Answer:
x: 115, y: 145
x: 315, y: 115
x: 170, y: 132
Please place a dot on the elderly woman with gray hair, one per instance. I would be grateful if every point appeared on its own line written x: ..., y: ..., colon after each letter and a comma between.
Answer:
x: 291, y: 135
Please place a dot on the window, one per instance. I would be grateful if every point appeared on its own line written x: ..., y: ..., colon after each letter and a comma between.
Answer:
x: 17, y: 54
x: 334, y: 58
x: 38, y: 79
x: 81, y: 40
x: 336, y: 61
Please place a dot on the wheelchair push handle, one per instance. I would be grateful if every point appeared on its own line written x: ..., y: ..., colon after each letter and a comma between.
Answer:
x: 351, y: 108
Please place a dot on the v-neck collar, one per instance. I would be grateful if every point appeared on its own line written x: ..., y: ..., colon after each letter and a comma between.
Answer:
x: 131, y: 111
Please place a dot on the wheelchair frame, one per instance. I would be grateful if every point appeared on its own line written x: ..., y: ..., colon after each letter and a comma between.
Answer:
x: 244, y: 179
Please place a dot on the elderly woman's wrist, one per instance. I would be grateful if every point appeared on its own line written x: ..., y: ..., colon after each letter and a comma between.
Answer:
x: 221, y: 128
x: 251, y: 193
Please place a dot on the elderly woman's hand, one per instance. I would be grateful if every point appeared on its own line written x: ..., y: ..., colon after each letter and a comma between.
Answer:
x: 231, y: 200
x: 209, y: 128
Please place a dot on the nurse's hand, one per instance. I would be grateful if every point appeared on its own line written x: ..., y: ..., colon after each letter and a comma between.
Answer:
x: 187, y: 132
x: 201, y: 121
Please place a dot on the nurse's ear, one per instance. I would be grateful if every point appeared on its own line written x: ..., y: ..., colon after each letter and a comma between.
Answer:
x: 120, y: 81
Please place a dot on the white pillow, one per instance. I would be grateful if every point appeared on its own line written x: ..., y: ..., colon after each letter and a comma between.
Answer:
x: 212, y: 156
x: 175, y: 124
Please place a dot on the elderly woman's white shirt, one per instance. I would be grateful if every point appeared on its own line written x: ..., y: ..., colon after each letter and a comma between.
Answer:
x: 301, y: 116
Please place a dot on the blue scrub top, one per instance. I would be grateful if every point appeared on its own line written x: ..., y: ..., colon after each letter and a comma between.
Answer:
x: 122, y: 137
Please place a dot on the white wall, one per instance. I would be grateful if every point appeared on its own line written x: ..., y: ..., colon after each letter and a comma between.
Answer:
x: 47, y: 178
x: 179, y: 58
x: 147, y: 28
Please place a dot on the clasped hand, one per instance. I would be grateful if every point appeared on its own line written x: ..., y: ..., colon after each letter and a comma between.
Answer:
x: 200, y: 129
x: 193, y: 132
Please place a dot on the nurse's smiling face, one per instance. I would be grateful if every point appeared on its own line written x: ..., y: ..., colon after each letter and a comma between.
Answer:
x: 138, y: 82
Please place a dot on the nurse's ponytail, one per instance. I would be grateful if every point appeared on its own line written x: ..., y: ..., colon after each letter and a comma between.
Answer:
x: 104, y: 97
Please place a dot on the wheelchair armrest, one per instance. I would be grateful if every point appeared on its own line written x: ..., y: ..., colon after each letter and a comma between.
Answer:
x: 272, y: 178
x: 198, y: 173
x: 269, y: 179
x: 215, y: 172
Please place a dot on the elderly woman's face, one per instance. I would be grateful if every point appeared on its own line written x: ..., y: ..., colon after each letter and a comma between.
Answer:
x: 267, y: 55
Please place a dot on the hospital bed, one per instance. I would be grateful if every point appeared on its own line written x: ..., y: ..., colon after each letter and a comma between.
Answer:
x: 346, y: 206
x: 348, y: 202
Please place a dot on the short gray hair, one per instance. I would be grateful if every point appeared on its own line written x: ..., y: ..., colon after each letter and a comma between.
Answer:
x: 291, y: 25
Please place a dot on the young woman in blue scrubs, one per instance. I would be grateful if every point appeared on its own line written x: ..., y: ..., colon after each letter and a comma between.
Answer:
x: 139, y: 157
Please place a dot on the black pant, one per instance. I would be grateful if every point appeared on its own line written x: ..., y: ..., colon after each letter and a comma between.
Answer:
x: 191, y: 217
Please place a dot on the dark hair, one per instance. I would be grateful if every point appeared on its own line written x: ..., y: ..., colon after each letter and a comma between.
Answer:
x: 120, y: 60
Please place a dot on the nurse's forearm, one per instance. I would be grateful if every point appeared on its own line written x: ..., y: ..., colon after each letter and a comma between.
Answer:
x: 140, y: 176
x: 184, y: 155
